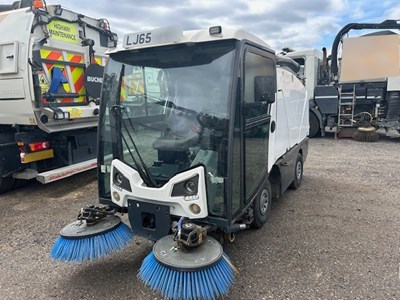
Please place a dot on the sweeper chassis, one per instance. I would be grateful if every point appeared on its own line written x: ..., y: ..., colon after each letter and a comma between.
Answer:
x: 187, y: 234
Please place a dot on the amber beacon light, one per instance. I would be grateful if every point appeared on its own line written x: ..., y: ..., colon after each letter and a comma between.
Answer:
x: 39, y: 4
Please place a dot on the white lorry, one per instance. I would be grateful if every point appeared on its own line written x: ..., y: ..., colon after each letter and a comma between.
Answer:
x: 51, y: 69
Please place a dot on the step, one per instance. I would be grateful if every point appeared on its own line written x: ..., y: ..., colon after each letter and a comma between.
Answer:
x: 53, y: 175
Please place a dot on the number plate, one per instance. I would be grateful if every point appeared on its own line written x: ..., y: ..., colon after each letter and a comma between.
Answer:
x: 158, y: 36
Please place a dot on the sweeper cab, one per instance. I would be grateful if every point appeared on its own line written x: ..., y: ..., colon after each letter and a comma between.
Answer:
x: 199, y: 130
x: 51, y: 68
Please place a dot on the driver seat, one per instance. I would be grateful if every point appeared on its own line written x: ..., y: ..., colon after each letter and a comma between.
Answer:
x: 182, y: 131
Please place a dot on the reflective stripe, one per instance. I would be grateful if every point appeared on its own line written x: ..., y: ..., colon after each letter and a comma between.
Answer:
x: 132, y: 85
x: 74, y: 74
x: 98, y: 61
x: 77, y: 76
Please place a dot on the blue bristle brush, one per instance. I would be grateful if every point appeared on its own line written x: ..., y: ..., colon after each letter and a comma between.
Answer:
x: 203, y: 272
x: 79, y: 241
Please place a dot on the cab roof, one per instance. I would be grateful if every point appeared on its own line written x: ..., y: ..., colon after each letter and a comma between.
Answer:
x: 175, y: 35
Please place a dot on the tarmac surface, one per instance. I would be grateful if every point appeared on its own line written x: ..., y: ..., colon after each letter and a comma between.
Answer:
x: 336, y: 237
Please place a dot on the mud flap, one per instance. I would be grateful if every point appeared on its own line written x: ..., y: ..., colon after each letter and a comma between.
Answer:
x: 10, y: 160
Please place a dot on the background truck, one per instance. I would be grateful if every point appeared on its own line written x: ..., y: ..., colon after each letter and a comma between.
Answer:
x: 363, y: 85
x: 51, y: 71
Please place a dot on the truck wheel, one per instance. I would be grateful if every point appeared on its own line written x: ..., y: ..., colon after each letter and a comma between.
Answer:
x: 18, y: 183
x: 298, y: 172
x: 314, y: 125
x: 262, y: 206
x: 6, y: 184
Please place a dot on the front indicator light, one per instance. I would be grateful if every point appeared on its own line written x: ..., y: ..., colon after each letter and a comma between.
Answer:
x: 191, y: 197
x: 194, y: 208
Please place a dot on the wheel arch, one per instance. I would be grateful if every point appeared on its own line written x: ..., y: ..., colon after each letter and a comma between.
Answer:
x: 275, y: 180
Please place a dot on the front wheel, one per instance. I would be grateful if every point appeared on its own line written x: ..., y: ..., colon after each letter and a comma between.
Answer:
x: 262, y: 206
x: 298, y: 172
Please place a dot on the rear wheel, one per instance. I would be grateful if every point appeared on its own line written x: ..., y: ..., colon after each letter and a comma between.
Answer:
x: 314, y: 125
x: 18, y: 183
x: 298, y: 172
x: 262, y: 206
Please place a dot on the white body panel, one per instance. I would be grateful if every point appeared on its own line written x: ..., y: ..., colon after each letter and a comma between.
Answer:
x: 290, y: 113
x: 178, y: 205
x: 15, y: 87
x: 393, y: 83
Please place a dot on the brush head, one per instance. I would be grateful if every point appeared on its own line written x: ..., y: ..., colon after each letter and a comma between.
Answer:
x: 202, y: 272
x: 366, y: 134
x: 81, y: 229
x: 79, y: 241
x: 187, y: 259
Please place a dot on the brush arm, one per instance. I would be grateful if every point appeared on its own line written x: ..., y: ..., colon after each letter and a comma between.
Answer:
x: 94, y: 214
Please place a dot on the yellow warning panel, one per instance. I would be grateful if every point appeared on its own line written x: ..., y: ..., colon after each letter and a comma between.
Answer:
x: 74, y: 112
x: 63, y: 31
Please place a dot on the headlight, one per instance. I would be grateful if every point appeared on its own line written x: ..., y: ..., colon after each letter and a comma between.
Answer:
x: 118, y: 178
x: 121, y: 181
x: 188, y: 187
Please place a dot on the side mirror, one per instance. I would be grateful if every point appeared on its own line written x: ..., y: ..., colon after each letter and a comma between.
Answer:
x: 264, y: 89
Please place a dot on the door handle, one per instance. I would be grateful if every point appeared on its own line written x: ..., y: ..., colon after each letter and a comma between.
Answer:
x: 273, y: 126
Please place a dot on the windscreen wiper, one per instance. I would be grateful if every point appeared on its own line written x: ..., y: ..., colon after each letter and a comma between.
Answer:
x: 116, y: 109
x: 146, y: 175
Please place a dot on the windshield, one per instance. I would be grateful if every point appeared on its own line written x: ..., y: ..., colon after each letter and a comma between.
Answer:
x: 166, y: 109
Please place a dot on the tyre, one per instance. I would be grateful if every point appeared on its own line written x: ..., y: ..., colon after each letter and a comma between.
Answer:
x: 314, y: 125
x: 262, y: 206
x: 20, y: 183
x: 6, y: 184
x: 298, y: 172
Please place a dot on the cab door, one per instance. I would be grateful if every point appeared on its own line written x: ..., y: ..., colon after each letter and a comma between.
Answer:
x: 252, y: 126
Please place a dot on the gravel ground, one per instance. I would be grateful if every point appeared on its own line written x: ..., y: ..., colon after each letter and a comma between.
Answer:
x: 337, y: 237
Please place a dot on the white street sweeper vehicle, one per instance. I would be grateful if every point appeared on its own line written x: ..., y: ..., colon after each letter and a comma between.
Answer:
x: 51, y: 68
x: 199, y: 130
x: 362, y: 91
